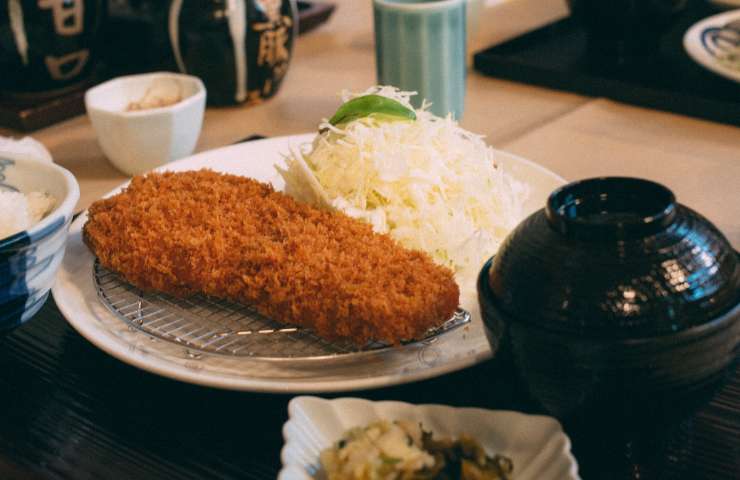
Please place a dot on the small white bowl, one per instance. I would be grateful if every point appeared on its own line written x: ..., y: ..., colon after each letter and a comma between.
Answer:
x: 30, y: 259
x: 141, y: 140
x: 536, y: 444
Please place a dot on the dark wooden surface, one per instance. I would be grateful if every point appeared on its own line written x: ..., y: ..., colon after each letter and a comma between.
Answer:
x: 70, y: 411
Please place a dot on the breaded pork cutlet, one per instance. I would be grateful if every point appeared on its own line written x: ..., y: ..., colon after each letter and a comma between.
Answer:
x: 235, y: 238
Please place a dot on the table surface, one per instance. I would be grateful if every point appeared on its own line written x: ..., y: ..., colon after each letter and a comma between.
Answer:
x: 70, y: 411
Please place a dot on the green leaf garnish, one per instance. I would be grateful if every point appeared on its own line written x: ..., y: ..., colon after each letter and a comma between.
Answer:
x: 389, y: 460
x: 378, y: 106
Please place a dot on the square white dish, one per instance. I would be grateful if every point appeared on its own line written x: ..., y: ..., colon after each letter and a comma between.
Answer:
x: 536, y: 444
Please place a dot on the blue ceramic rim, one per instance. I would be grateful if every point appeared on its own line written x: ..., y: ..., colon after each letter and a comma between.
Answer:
x: 27, y: 238
x: 652, y: 207
x: 24, y: 260
x: 733, y: 313
x: 19, y: 239
x: 57, y: 218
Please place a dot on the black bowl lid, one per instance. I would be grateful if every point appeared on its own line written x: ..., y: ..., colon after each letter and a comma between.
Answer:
x: 615, y: 257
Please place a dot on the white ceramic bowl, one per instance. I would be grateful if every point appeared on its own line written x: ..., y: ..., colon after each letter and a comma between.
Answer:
x: 140, y: 140
x: 536, y: 444
x: 29, y: 259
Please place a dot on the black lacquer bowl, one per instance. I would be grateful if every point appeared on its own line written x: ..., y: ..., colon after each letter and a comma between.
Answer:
x: 619, y: 309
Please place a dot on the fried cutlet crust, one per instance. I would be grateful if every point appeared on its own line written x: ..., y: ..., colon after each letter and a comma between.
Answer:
x: 234, y: 238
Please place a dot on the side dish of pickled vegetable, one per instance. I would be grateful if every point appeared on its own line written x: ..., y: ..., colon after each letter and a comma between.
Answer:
x: 403, y: 450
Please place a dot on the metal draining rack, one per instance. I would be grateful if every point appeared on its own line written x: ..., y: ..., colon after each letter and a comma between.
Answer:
x: 222, y: 327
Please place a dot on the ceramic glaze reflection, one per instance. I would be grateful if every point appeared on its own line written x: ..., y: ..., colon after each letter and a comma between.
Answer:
x: 48, y: 45
x: 241, y: 49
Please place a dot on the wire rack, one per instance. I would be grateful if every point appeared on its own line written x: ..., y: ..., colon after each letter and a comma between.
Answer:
x: 222, y: 327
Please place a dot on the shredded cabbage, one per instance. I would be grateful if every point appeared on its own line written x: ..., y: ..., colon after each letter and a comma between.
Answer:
x: 430, y: 184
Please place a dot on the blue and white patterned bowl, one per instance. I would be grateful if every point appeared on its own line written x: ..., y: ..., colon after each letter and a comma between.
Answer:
x: 29, y: 259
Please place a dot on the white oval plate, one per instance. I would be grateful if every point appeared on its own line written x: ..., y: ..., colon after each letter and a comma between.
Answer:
x: 537, y: 445
x: 699, y: 44
x: 76, y: 297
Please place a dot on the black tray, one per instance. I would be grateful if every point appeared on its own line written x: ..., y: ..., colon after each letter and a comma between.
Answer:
x: 553, y: 56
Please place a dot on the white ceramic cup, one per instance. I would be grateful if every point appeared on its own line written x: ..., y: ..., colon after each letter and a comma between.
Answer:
x: 136, y: 141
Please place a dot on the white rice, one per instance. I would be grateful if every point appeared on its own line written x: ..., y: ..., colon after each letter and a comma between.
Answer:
x: 19, y: 211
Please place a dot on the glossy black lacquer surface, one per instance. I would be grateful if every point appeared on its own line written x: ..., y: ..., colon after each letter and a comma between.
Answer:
x: 618, y: 309
x: 615, y: 258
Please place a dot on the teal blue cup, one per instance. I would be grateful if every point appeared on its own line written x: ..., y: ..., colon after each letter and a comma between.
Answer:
x: 420, y: 46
